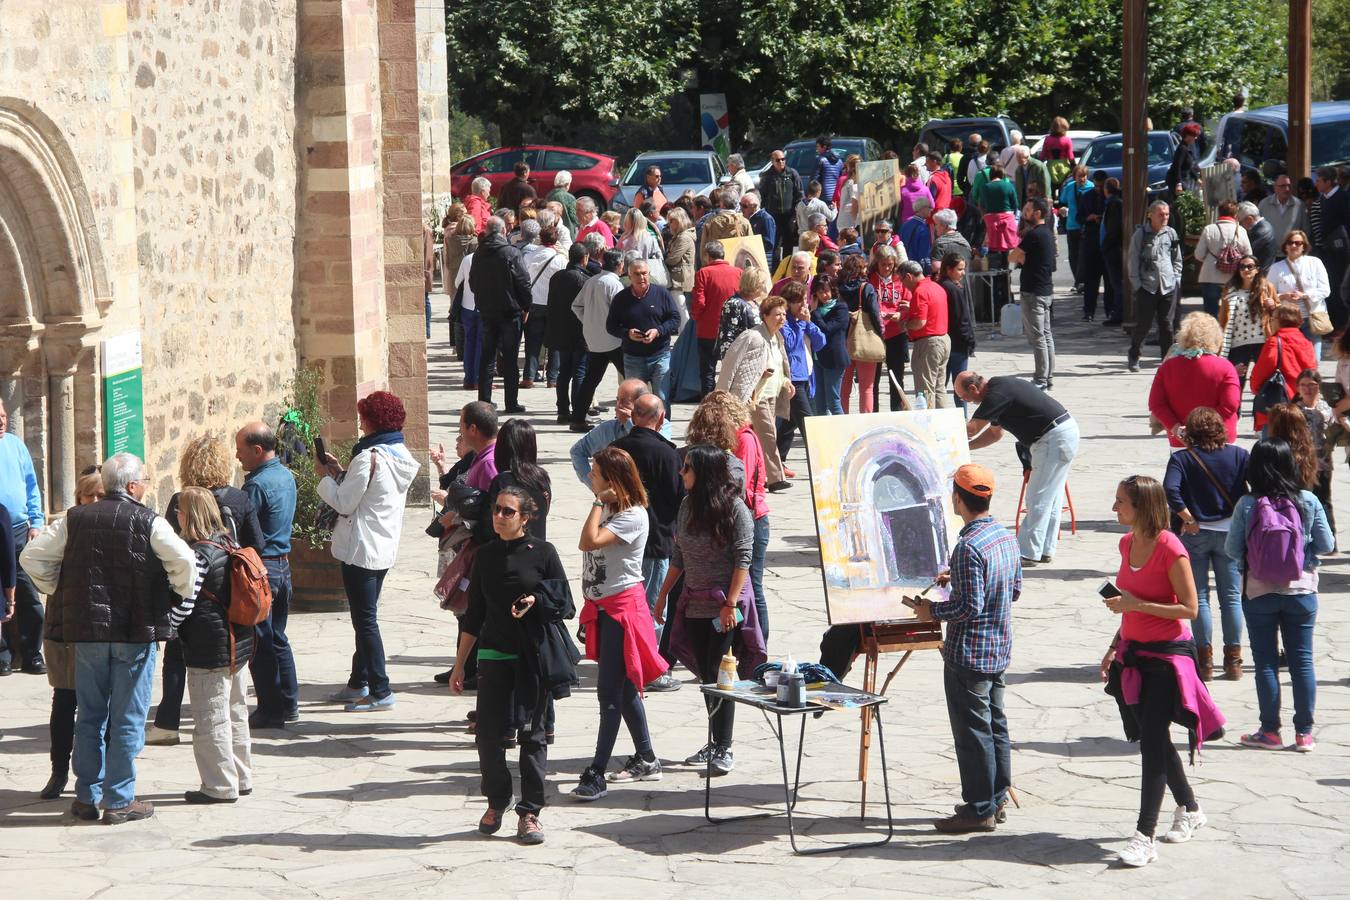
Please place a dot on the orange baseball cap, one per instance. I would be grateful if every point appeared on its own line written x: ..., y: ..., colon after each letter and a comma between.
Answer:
x: 976, y: 479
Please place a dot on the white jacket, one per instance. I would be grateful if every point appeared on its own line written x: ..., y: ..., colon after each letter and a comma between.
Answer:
x: 591, y: 307
x: 370, y: 508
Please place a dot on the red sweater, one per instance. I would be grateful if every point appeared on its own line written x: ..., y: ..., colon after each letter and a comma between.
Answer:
x: 713, y: 286
x: 1182, y: 384
x: 930, y: 304
x: 1297, y: 355
x: 940, y: 186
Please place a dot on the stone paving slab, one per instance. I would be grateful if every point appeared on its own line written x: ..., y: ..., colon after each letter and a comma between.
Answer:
x: 385, y: 804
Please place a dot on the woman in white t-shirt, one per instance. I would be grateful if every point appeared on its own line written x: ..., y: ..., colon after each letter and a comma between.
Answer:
x: 620, y: 634
x: 1302, y: 280
x: 849, y: 190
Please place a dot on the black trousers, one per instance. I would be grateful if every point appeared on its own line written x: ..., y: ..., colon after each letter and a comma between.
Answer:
x: 596, y: 364
x: 897, y: 355
x: 499, y: 712
x: 61, y: 727
x: 799, y: 410
x: 21, y: 637
x: 1162, y: 764
x: 571, y: 376
x: 501, y: 344
x: 785, y: 235
x: 711, y: 646
x: 1091, y: 268
x: 1075, y: 239
x: 1148, y: 308
x: 168, y: 714
x: 838, y: 646
x: 707, y: 365
x: 618, y: 696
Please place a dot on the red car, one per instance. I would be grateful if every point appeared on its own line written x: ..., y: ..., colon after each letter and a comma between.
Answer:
x: 593, y: 174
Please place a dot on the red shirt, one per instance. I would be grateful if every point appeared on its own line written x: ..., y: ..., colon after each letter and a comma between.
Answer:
x: 1295, y: 353
x: 940, y: 185
x: 477, y: 207
x: 713, y: 286
x: 928, y: 302
x: 1182, y: 384
x: 1151, y: 584
x: 597, y: 225
x: 890, y: 294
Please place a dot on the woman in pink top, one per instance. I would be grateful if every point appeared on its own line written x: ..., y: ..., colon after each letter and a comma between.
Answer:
x: 1151, y: 666
x: 1196, y: 376
x: 1057, y: 145
x: 911, y: 190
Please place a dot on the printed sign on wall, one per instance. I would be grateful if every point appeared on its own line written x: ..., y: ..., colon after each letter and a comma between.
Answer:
x: 123, y: 404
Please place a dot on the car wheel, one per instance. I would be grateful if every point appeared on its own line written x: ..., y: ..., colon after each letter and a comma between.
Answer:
x: 600, y: 205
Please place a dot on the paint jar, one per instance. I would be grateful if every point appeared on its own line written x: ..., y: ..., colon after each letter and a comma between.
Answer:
x: 726, y: 673
x: 796, y: 691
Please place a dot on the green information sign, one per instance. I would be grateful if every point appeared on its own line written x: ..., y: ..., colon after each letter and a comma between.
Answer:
x: 123, y: 403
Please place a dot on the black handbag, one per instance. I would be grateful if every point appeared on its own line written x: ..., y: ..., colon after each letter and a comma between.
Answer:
x: 1274, y: 391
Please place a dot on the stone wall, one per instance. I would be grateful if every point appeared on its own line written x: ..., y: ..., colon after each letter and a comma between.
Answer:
x: 215, y: 176
x: 433, y: 89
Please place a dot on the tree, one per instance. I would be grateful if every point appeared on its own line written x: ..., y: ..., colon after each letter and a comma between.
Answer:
x: 513, y: 63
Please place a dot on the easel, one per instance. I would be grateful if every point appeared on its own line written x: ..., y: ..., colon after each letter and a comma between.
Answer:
x: 888, y: 637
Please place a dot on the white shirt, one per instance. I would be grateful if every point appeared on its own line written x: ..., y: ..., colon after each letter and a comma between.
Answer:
x: 462, y: 280
x: 1309, y: 270
x: 540, y: 264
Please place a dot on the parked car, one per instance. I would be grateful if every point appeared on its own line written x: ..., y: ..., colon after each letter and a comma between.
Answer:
x: 1080, y: 140
x: 592, y: 173
x: 1260, y: 137
x: 801, y: 155
x: 1105, y: 154
x: 994, y: 129
x: 681, y: 170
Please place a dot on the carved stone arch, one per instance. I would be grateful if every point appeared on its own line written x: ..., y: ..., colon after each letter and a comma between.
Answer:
x: 54, y: 292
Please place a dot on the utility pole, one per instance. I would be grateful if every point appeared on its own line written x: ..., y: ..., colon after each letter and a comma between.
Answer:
x: 1134, y: 130
x: 1299, y: 162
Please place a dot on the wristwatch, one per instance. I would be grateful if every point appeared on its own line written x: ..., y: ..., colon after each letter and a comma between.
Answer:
x: 598, y: 504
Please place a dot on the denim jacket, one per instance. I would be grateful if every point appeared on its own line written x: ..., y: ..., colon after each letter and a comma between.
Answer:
x: 1317, y: 536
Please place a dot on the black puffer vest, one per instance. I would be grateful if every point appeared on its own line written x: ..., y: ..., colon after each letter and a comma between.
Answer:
x: 112, y: 587
x: 206, y: 642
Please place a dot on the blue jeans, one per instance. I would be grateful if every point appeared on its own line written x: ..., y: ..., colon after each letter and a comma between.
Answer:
x: 1314, y: 339
x: 1291, y: 616
x: 426, y: 302
x: 363, y: 600
x: 828, y: 384
x: 1209, y: 296
x: 980, y: 732
x: 112, y: 693
x: 273, y: 664
x: 568, y: 379
x: 653, y: 576
x: 1206, y: 551
x: 956, y: 364
x: 654, y: 369
x: 757, y: 554
x: 1051, y: 457
x: 473, y: 346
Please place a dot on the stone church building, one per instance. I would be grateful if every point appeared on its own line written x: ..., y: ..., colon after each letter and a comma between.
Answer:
x: 236, y: 186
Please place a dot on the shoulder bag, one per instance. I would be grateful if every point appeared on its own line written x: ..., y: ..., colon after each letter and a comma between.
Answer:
x: 1274, y: 391
x: 864, y: 342
x: 1318, y: 322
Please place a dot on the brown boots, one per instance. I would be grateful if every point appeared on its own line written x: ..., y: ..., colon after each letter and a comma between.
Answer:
x: 1232, y: 663
x: 1206, y: 662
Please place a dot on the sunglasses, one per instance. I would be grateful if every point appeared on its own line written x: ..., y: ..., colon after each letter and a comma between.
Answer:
x: 1248, y: 267
x: 1295, y: 244
x: 505, y: 512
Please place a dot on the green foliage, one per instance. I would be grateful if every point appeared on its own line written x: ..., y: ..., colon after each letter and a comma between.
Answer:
x: 1191, y: 209
x: 303, y: 420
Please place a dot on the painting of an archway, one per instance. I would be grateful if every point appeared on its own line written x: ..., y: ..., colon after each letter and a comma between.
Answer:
x: 881, y: 488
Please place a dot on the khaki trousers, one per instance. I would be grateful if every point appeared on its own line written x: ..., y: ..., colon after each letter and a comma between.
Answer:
x: 220, y: 739
x: 928, y: 361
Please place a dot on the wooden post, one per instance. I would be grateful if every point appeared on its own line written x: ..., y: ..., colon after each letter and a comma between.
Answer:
x: 1134, y: 130
x: 1299, y: 161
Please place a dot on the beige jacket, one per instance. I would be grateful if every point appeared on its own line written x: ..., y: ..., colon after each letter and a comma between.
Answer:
x: 1213, y: 239
x: 754, y: 351
x: 680, y: 261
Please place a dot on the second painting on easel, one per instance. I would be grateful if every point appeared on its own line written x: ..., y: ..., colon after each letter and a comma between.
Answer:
x: 881, y: 486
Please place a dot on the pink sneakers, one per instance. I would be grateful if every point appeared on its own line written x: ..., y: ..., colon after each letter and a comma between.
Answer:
x: 1304, y: 743
x: 1266, y: 740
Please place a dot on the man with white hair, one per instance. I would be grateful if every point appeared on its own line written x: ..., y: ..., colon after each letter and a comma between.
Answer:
x: 591, y: 307
x: 111, y: 569
x: 761, y: 223
x: 947, y: 239
x: 917, y: 235
x: 589, y: 222
x: 1029, y: 170
x: 1005, y: 158
x: 1283, y: 210
x: 562, y: 193
x: 476, y: 204
x: 736, y: 168
x: 1260, y: 233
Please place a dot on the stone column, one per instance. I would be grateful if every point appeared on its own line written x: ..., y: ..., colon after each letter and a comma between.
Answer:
x: 64, y: 351
x: 17, y: 348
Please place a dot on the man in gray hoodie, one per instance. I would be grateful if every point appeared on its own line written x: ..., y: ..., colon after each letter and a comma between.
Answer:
x: 1155, y: 271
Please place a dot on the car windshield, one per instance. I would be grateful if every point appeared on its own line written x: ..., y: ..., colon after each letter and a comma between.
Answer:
x: 1110, y: 151
x: 676, y: 170
x: 1331, y: 143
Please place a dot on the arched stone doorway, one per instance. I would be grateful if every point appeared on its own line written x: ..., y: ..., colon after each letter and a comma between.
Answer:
x: 54, y: 291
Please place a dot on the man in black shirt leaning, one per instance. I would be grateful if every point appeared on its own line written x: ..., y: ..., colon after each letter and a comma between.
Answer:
x: 658, y: 465
x: 1044, y: 427
x: 1036, y: 255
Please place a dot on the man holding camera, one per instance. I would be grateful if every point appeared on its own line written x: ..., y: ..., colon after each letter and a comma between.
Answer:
x: 985, y: 578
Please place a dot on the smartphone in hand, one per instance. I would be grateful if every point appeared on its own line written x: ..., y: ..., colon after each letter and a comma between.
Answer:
x: 320, y: 449
x: 1108, y: 590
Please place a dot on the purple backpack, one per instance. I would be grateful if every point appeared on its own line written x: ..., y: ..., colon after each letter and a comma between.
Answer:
x: 1275, y: 540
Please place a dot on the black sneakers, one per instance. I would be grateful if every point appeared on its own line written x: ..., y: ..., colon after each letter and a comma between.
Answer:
x: 592, y: 786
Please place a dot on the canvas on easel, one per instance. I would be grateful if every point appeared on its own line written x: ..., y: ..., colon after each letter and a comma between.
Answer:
x: 881, y: 487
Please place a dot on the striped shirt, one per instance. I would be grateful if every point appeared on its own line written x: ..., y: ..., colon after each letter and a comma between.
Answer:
x: 986, y: 577
x: 183, y: 608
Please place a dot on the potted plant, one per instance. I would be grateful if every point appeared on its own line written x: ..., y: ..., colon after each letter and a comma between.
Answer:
x: 1191, y: 209
x: 316, y: 576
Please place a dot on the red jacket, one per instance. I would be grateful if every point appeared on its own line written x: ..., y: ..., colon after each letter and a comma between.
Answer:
x: 751, y: 453
x: 477, y: 207
x: 1182, y: 384
x: 928, y: 302
x: 641, y: 658
x: 713, y: 286
x: 940, y: 185
x: 1296, y: 354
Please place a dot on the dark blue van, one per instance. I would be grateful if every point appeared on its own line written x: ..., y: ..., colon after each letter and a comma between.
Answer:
x: 1259, y: 136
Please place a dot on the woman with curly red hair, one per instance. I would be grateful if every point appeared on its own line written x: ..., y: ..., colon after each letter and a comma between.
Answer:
x: 369, y: 498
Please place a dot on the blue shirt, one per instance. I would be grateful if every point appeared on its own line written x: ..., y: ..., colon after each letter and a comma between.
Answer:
x: 18, y: 482
x: 796, y: 335
x: 762, y: 224
x: 271, y: 487
x: 597, y: 439
x: 986, y: 578
x: 1068, y: 195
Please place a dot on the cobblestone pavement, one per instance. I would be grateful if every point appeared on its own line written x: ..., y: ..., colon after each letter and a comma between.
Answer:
x: 386, y: 803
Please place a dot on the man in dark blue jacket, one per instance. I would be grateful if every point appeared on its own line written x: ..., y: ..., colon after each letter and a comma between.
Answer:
x: 645, y: 317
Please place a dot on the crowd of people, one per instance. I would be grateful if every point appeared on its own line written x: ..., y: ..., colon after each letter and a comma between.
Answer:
x: 674, y: 544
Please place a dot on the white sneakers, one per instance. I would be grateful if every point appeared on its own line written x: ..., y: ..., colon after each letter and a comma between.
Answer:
x: 1141, y: 850
x: 1184, y: 824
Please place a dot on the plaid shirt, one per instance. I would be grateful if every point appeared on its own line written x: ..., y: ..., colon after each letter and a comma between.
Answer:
x: 986, y: 569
